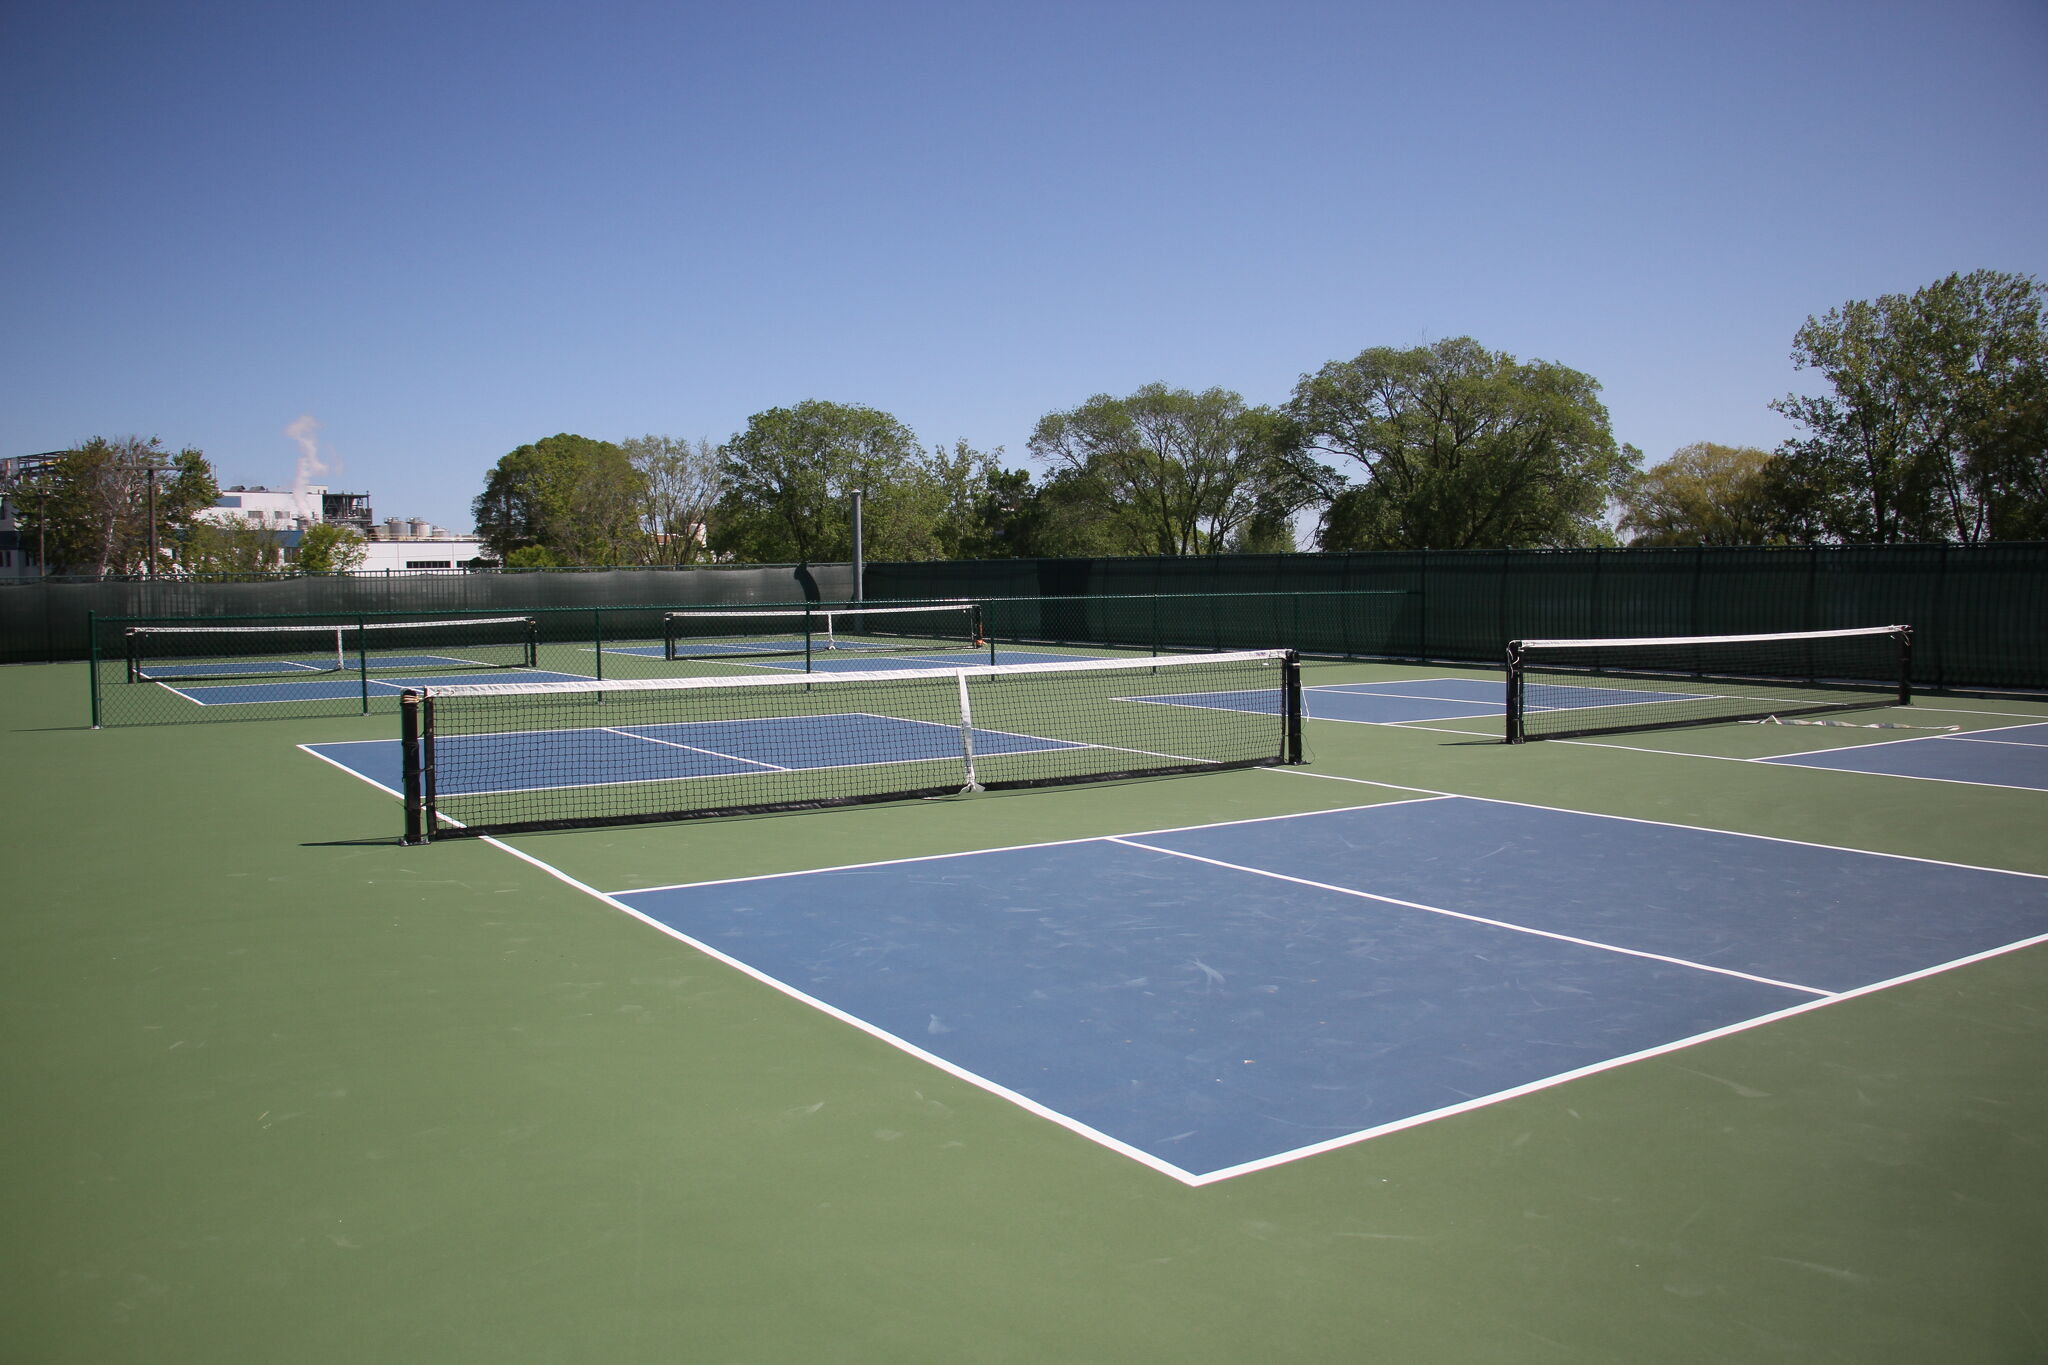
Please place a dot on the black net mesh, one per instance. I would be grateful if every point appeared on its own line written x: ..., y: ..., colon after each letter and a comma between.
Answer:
x: 500, y: 759
x: 1559, y: 688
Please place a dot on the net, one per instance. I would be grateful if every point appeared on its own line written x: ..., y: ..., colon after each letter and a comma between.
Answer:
x: 1560, y: 688
x: 202, y: 653
x: 948, y: 627
x: 498, y: 759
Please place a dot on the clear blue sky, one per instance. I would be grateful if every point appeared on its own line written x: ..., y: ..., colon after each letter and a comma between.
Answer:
x: 446, y: 229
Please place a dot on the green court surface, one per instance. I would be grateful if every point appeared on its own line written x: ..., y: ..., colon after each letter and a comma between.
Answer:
x: 281, y: 1090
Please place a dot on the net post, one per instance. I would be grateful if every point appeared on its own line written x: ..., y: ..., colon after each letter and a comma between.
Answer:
x: 1514, y: 698
x: 533, y: 642
x: 807, y: 639
x: 412, y: 766
x: 92, y: 635
x: 1905, y: 638
x: 362, y: 657
x: 1290, y: 688
x: 596, y: 642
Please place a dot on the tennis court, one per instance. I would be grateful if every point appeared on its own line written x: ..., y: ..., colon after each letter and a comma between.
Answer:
x: 1710, y: 1043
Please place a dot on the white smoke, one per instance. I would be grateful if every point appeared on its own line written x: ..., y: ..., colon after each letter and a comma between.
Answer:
x: 310, y: 467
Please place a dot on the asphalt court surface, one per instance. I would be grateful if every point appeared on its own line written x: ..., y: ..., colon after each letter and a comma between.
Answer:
x: 1217, y: 999
x: 2011, y: 756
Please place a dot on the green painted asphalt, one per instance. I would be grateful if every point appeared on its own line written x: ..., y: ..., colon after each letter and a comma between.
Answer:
x: 278, y: 1089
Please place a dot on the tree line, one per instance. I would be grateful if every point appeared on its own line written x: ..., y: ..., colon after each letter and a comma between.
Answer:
x: 1933, y: 427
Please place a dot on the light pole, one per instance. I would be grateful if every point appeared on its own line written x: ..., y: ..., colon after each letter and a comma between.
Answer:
x: 859, y: 563
x: 151, y: 471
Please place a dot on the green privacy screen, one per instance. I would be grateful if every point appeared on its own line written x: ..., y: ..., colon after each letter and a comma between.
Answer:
x: 1980, y: 613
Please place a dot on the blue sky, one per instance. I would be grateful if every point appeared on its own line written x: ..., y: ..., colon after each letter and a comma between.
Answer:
x: 443, y: 229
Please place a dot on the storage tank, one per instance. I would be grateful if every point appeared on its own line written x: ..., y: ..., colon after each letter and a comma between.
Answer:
x: 420, y: 527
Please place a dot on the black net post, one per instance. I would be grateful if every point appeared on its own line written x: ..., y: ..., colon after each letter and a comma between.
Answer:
x: 1290, y: 692
x: 1514, y: 700
x: 1905, y: 665
x: 363, y: 661
x: 92, y: 631
x: 413, y: 766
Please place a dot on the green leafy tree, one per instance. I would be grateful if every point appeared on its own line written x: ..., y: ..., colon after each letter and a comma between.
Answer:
x: 1705, y: 494
x: 1181, y: 472
x: 582, y: 500
x: 533, y: 557
x: 1937, y: 424
x: 94, y: 508
x: 327, y: 548
x: 233, y: 546
x: 680, y: 483
x: 957, y: 483
x: 789, y: 481
x: 1462, y: 448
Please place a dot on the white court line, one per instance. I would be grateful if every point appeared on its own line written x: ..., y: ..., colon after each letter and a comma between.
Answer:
x: 953, y: 1069
x: 1167, y: 1168
x: 1902, y: 777
x: 686, y: 748
x: 308, y: 748
x: 1614, y: 1063
x: 1985, y: 737
x: 1277, y: 1159
x: 1787, y: 760
x: 1664, y: 824
x: 1015, y: 848
x: 1773, y: 761
x: 1475, y: 919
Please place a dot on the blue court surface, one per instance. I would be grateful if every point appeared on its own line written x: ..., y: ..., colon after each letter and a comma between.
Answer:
x: 1218, y: 999
x: 543, y: 760
x: 1420, y: 699
x: 2015, y: 756
x: 340, y: 687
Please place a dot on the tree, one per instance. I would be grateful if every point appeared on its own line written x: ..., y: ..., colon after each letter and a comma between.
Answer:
x: 327, y: 548
x: 97, y: 506
x: 533, y: 557
x: 1181, y: 471
x: 234, y: 546
x: 1705, y: 494
x: 791, y: 475
x: 1937, y: 426
x: 1462, y: 448
x: 580, y: 499
x: 680, y: 482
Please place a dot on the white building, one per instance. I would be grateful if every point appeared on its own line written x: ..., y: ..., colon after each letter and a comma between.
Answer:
x: 395, y: 545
